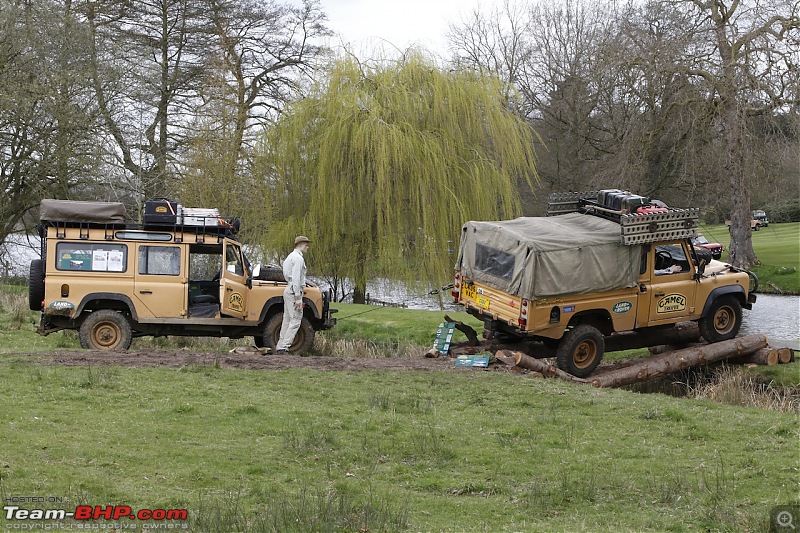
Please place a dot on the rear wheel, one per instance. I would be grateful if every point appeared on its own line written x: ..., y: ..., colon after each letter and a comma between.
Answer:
x: 722, y: 321
x: 106, y: 329
x: 36, y: 285
x: 580, y: 350
x: 303, y: 340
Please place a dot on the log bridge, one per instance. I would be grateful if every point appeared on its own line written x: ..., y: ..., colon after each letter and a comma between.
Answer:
x: 673, y: 349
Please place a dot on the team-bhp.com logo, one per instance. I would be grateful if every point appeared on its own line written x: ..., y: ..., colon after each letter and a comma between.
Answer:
x: 81, y: 513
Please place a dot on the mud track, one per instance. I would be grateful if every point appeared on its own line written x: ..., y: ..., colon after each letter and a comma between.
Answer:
x: 185, y: 358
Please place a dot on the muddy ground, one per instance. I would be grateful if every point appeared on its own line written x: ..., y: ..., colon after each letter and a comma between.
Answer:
x: 247, y: 361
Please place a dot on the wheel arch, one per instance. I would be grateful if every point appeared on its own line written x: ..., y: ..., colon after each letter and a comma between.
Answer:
x: 599, y: 318
x: 719, y: 292
x: 106, y: 300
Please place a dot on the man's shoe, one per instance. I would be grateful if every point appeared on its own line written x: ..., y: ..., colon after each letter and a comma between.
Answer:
x: 282, y: 352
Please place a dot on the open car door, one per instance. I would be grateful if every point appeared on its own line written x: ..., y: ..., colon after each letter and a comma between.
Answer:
x: 233, y: 281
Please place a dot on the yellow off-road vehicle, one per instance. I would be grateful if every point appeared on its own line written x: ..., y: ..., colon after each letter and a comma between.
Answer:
x: 595, y: 266
x: 177, y: 274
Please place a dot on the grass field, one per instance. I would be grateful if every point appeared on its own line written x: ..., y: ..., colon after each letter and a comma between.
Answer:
x: 392, y: 451
x: 300, y: 450
x: 777, y: 247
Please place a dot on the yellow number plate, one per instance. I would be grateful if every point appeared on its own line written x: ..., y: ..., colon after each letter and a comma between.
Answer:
x: 470, y: 292
x: 483, y: 302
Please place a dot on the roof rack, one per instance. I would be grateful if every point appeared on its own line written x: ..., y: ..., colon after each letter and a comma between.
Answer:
x: 635, y: 228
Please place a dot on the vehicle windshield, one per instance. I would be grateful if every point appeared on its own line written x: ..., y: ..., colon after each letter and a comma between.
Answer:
x: 700, y: 240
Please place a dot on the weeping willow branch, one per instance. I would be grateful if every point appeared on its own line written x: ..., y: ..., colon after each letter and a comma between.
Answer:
x: 382, y: 166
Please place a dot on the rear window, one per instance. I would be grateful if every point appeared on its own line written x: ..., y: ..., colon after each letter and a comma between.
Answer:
x: 88, y: 257
x: 494, y: 262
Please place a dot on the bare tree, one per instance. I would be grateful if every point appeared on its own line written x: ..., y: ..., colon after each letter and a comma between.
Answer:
x: 748, y: 60
x: 48, y: 120
x: 146, y: 59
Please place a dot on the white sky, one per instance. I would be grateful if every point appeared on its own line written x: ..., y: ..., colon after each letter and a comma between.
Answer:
x: 362, y: 24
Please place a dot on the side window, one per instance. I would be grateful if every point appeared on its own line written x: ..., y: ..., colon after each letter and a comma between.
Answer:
x: 643, y: 265
x: 160, y: 260
x: 670, y: 259
x: 233, y: 260
x: 92, y: 257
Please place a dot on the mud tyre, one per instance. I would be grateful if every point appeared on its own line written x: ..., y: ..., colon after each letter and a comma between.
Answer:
x: 723, y: 320
x: 106, y: 329
x: 303, y: 341
x: 36, y: 285
x: 580, y: 350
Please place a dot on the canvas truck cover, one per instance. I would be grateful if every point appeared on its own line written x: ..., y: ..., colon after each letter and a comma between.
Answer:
x: 537, y: 257
x: 75, y: 211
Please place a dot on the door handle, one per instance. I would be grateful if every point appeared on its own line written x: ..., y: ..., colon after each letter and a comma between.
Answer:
x: 146, y: 291
x: 228, y: 289
x: 659, y: 294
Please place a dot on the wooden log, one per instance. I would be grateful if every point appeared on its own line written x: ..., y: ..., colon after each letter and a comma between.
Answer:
x: 680, y: 334
x: 472, y: 335
x: 673, y: 347
x: 765, y: 356
x: 785, y: 355
x: 529, y: 363
x: 666, y: 363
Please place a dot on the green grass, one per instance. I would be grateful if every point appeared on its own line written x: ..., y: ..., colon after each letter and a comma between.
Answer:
x: 368, y: 451
x: 777, y: 247
x: 387, y: 325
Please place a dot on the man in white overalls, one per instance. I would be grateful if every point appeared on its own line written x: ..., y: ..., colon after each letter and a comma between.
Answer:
x: 294, y: 270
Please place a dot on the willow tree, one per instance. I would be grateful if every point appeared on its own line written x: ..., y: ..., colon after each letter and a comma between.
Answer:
x: 382, y: 165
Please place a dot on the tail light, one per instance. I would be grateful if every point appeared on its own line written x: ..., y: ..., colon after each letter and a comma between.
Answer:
x: 456, y: 287
x: 523, y: 314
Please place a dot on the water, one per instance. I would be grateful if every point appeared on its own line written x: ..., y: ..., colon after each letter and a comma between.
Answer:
x: 778, y: 317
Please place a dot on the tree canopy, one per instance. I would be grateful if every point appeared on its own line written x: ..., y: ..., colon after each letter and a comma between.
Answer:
x: 382, y: 165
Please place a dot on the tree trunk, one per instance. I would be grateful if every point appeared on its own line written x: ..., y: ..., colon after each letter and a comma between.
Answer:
x: 667, y: 363
x: 785, y: 355
x: 529, y: 363
x: 732, y: 118
x: 765, y: 356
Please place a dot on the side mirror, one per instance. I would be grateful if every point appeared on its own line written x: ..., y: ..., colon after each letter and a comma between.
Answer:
x: 701, y: 268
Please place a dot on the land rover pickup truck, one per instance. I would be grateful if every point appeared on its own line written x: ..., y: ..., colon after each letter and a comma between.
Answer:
x: 112, y: 280
x: 588, y: 271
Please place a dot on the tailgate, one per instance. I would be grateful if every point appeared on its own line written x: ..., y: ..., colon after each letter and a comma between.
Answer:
x: 500, y: 305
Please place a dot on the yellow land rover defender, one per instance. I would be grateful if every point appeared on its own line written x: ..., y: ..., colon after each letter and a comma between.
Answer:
x: 182, y: 272
x: 601, y: 262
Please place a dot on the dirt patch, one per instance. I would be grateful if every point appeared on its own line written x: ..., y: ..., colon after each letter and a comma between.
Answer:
x: 183, y: 358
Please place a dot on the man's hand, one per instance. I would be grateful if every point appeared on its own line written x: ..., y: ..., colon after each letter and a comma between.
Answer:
x: 677, y: 268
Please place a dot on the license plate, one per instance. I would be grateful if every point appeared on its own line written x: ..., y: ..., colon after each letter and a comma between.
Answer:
x: 470, y: 292
x: 483, y: 302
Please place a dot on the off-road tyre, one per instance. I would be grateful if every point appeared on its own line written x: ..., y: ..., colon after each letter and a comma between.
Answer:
x: 271, y: 274
x: 723, y: 320
x: 258, y: 340
x: 303, y: 341
x: 36, y: 285
x: 580, y: 351
x: 106, y: 329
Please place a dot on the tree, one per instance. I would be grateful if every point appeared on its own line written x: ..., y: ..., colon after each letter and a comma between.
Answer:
x: 382, y: 165
x: 751, y: 68
x: 48, y: 120
x: 260, y: 55
x: 146, y: 60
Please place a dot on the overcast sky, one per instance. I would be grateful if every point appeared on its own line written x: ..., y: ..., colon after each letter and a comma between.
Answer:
x: 362, y: 23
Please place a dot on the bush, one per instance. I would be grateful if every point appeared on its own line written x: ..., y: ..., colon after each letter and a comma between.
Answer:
x: 786, y: 211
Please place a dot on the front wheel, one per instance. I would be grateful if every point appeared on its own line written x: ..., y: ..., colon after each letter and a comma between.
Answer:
x: 580, y: 350
x: 722, y: 321
x: 106, y: 330
x: 303, y: 340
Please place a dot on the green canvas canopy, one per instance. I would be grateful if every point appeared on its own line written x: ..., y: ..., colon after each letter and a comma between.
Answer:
x: 538, y: 257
